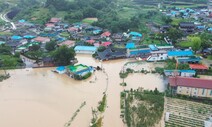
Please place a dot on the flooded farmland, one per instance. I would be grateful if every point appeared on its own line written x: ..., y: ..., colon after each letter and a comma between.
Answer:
x: 41, y: 98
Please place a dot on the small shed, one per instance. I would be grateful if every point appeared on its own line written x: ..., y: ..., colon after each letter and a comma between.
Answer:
x: 61, y: 69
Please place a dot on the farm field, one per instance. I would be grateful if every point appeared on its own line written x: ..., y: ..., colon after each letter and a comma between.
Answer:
x: 186, y: 113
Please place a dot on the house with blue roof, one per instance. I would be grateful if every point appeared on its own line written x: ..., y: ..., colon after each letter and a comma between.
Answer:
x: 184, y: 73
x: 138, y: 52
x: 200, y: 27
x: 153, y: 47
x: 180, y: 53
x: 135, y: 34
x: 22, y: 21
x: 85, y: 49
x: 210, y: 29
x: 15, y: 37
x: 61, y: 70
x: 191, y: 59
x: 130, y: 45
x: 29, y: 37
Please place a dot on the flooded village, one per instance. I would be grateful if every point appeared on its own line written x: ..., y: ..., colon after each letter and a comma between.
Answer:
x: 82, y: 74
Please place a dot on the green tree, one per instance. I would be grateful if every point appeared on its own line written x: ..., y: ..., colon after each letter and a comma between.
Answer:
x: 196, y: 43
x: 174, y: 34
x: 36, y: 55
x: 50, y: 46
x: 34, y: 47
x: 5, y: 50
x: 206, y: 40
x: 166, y: 19
x: 63, y: 55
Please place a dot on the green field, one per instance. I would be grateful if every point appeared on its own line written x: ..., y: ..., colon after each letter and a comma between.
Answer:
x: 89, y: 20
x: 185, y: 44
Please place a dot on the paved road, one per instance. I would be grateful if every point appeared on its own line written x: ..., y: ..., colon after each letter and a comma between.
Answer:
x: 4, y: 18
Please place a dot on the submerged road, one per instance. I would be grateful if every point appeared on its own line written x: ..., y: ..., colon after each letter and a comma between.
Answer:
x: 4, y: 18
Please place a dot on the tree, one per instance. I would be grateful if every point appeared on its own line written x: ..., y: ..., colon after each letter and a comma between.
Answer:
x: 166, y: 19
x: 63, y: 55
x: 206, y: 39
x: 174, y: 34
x: 36, y: 55
x: 50, y: 46
x: 196, y: 43
x: 34, y: 47
x: 5, y: 50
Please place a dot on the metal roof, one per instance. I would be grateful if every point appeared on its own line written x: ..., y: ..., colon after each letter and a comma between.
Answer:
x: 180, y: 53
x: 85, y: 48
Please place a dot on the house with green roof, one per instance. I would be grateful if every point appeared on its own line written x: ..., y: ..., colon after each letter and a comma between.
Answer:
x: 80, y: 71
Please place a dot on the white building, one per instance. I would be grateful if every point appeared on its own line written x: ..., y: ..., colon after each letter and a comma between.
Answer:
x: 157, y: 56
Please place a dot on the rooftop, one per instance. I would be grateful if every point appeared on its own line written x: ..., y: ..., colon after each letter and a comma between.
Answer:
x: 130, y: 45
x: 55, y: 20
x: 60, y: 68
x: 135, y: 34
x: 180, y: 53
x: 67, y: 42
x: 77, y: 68
x: 153, y: 47
x: 85, y: 48
x: 106, y: 44
x: 15, y: 37
x: 42, y: 39
x: 190, y: 82
x: 186, y: 71
x: 198, y: 66
x: 106, y: 34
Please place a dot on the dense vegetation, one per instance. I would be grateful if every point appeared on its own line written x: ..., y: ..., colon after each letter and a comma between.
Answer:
x: 114, y: 15
x: 143, y: 108
x: 63, y: 55
x: 7, y: 59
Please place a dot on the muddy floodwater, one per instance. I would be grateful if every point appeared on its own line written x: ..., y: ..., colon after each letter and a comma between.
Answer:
x: 41, y: 98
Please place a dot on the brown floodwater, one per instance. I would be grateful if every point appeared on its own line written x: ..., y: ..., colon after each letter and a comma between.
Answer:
x: 41, y: 98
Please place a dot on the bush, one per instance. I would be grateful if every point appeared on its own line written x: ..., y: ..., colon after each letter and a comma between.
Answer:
x: 101, y: 49
x: 94, y: 55
x: 129, y: 70
x: 123, y: 75
x: 159, y: 70
x: 102, y: 104
x: 123, y: 84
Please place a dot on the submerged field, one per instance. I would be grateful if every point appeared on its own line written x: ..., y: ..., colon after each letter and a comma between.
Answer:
x: 41, y: 98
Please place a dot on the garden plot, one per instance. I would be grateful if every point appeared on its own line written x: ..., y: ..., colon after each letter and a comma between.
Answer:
x: 186, y: 113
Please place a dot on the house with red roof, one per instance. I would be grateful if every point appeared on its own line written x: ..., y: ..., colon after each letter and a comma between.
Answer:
x: 90, y: 41
x: 54, y: 20
x: 73, y: 29
x: 106, y: 44
x: 49, y: 25
x: 42, y: 39
x: 200, y: 68
x: 106, y: 34
x: 68, y: 43
x: 191, y: 86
